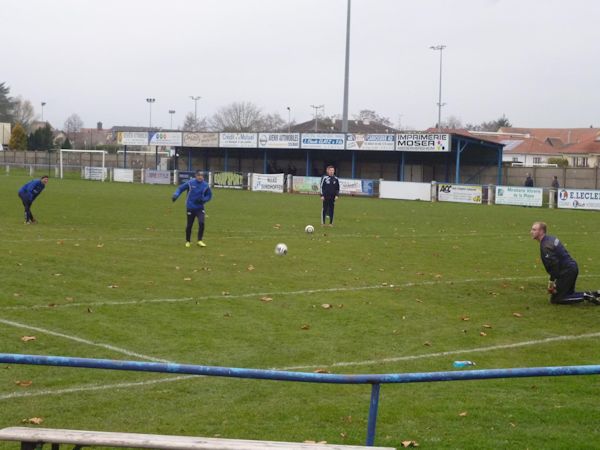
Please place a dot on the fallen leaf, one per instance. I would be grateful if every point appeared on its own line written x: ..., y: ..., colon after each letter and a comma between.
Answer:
x: 58, y: 274
x: 16, y: 294
x: 113, y: 286
x: 75, y: 245
x: 517, y: 314
x: 187, y: 279
x: 28, y: 338
x: 482, y: 333
x: 427, y: 344
x: 225, y: 293
x: 250, y: 268
x: 343, y: 435
x: 227, y: 315
x: 305, y: 327
x: 485, y: 325
x: 322, y: 371
x: 69, y: 299
x: 51, y: 305
x: 176, y: 267
x: 266, y: 299
x: 90, y: 310
x: 463, y: 414
x: 33, y: 420
x: 438, y: 275
x: 100, y: 245
x: 24, y: 383
x: 326, y: 306
x: 465, y: 318
x: 60, y: 242
x: 341, y: 305
x: 406, y: 444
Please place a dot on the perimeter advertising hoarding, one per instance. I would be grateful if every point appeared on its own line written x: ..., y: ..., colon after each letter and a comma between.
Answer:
x: 157, y: 177
x: 459, y: 193
x: 268, y: 182
x: 351, y: 186
x: 578, y: 199
x: 323, y: 141
x: 423, y: 142
x: 370, y: 141
x: 168, y: 138
x: 306, y: 185
x: 238, y: 140
x: 123, y: 175
x: 519, y: 196
x: 132, y: 138
x: 279, y: 140
x: 232, y: 180
x: 95, y: 173
x: 201, y: 140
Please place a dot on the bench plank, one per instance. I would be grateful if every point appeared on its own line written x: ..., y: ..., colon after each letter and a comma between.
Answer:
x: 165, y: 442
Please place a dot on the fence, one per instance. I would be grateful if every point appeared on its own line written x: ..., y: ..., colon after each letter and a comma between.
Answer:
x: 375, y: 380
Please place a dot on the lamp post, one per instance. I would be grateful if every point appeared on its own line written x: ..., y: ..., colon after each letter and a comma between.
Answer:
x: 289, y: 119
x: 195, y: 98
x: 150, y: 101
x: 171, y: 111
x: 346, y: 73
x: 316, y: 108
x: 440, y: 104
x: 43, y: 104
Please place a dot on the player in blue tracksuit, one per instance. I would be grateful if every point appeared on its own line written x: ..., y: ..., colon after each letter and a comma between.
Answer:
x: 198, y: 194
x: 562, y: 269
x: 28, y: 193
x: 330, y: 189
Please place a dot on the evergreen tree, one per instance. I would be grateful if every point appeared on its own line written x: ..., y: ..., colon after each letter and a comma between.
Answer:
x: 6, y: 104
x: 18, y: 138
x: 67, y: 144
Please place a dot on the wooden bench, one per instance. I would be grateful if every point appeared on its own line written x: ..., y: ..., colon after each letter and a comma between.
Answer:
x: 35, y: 438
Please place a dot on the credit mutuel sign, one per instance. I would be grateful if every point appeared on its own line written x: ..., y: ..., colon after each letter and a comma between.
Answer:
x: 423, y: 142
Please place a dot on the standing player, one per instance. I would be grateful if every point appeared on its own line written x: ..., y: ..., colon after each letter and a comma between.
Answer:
x: 198, y: 194
x: 562, y: 269
x: 28, y: 193
x: 330, y: 189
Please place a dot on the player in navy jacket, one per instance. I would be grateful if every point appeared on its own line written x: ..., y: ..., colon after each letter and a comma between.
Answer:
x: 330, y: 189
x: 562, y: 269
x: 28, y: 193
x: 198, y: 193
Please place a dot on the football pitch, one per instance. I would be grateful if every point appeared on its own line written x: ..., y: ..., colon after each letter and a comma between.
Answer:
x: 394, y: 287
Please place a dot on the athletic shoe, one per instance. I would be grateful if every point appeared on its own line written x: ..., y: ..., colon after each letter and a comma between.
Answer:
x: 188, y: 245
x: 201, y: 244
x: 592, y: 297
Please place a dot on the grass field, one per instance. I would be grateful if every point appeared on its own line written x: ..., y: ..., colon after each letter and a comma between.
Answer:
x: 105, y: 274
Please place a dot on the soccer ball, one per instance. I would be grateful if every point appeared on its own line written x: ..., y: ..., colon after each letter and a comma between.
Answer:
x: 281, y: 249
x: 309, y: 229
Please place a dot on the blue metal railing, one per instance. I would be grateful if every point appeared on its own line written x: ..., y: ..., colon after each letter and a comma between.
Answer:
x: 375, y: 380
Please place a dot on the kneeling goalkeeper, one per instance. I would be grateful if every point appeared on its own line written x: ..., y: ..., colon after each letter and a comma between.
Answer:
x: 198, y: 194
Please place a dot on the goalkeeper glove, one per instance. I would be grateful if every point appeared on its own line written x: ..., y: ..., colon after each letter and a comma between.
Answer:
x: 551, y: 287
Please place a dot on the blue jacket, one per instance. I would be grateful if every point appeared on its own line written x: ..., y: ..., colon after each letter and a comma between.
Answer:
x: 32, y: 189
x: 555, y: 257
x: 198, y: 193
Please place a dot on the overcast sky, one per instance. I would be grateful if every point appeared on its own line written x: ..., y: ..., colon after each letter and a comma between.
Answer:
x: 536, y: 62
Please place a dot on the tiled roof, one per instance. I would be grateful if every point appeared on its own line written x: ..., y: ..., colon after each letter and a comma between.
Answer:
x: 588, y: 146
x: 566, y: 135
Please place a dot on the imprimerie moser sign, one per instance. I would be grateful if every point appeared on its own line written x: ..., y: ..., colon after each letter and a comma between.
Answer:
x: 279, y: 140
x: 323, y: 141
x: 423, y: 142
x: 383, y: 142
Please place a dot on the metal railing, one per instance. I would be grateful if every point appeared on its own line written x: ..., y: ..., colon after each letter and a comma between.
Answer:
x: 375, y: 380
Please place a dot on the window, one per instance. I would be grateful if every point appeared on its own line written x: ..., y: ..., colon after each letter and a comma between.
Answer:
x: 537, y: 160
x: 580, y: 161
x: 515, y: 159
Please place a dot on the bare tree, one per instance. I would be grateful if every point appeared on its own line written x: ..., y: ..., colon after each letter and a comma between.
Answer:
x: 372, y: 116
x: 191, y: 123
x: 23, y: 112
x: 238, y: 116
x: 452, y: 122
x: 272, y: 122
x: 73, y: 124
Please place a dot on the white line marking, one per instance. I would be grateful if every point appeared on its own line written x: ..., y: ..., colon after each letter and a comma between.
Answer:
x: 281, y: 293
x: 82, y: 341
x: 94, y: 387
x: 338, y: 364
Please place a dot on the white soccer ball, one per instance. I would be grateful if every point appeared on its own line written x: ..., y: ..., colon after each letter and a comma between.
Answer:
x: 281, y: 249
x: 309, y: 229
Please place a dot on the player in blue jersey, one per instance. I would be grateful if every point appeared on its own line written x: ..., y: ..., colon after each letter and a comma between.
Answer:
x: 562, y: 269
x: 28, y: 193
x: 198, y: 193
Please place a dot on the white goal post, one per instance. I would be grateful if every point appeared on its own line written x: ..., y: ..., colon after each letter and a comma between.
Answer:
x: 81, y: 151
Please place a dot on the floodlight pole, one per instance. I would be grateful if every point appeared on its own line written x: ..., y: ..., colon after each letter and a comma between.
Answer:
x: 289, y: 110
x: 441, y: 48
x: 43, y: 104
x: 346, y: 73
x: 316, y: 108
x: 195, y: 98
x: 171, y: 111
x: 150, y: 101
